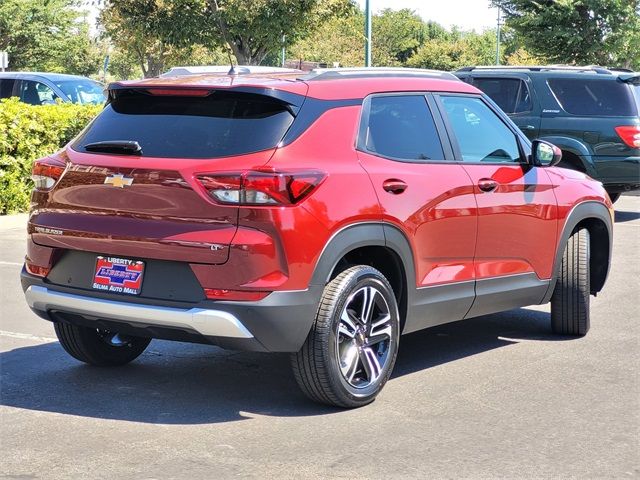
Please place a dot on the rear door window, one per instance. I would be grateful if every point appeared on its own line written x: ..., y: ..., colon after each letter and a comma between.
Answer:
x: 511, y: 94
x: 402, y: 127
x: 220, y: 124
x: 597, y: 97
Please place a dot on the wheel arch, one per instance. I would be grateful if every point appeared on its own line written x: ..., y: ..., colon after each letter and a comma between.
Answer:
x: 382, y: 246
x: 596, y: 218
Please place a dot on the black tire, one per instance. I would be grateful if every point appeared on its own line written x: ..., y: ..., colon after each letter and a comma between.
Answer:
x: 570, y: 299
x: 100, y: 348
x: 614, y: 196
x: 318, y: 366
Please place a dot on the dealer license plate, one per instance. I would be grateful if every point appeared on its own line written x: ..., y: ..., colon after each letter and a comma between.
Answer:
x: 118, y: 275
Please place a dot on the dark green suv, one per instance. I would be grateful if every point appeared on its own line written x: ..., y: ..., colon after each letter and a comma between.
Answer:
x: 591, y: 113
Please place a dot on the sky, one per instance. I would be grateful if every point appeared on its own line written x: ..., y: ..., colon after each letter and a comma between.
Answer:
x: 466, y: 14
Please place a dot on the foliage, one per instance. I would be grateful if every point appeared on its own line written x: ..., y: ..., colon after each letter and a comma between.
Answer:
x: 150, y: 31
x: 396, y: 36
x: 162, y: 33
x: 340, y: 39
x: 30, y: 132
x: 604, y: 32
x: 402, y: 38
x: 253, y: 29
x: 48, y: 36
x: 456, y: 50
x: 523, y: 57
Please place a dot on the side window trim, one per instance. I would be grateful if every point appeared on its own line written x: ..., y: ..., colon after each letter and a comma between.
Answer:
x: 448, y: 153
x: 443, y: 134
x: 524, y: 160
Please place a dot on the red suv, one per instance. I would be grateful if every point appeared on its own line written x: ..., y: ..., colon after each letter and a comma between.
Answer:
x: 322, y: 215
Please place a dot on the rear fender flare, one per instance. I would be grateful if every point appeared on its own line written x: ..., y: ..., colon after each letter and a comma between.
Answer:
x: 358, y: 235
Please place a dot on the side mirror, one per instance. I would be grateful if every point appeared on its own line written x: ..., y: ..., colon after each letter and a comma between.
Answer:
x: 545, y: 154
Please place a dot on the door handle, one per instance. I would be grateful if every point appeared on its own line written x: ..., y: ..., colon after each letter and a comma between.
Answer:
x: 487, y: 184
x: 394, y: 186
x: 527, y: 127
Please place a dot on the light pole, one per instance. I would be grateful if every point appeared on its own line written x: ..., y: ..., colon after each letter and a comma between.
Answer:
x: 367, y: 32
x: 284, y: 51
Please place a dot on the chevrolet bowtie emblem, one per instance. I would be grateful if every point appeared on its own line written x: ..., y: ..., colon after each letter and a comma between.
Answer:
x: 118, y: 180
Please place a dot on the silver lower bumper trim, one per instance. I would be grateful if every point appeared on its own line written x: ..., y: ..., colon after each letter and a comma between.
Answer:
x: 213, y: 323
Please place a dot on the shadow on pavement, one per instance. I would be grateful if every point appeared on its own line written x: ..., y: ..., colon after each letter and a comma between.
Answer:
x: 622, y: 216
x: 175, y: 383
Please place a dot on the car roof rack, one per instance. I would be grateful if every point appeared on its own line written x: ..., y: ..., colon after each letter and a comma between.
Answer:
x: 542, y: 68
x: 227, y: 70
x: 373, y: 72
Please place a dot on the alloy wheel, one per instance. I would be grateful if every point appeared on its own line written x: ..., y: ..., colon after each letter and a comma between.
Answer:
x: 364, y: 336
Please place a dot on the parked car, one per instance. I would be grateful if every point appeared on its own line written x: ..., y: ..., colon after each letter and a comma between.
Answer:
x: 37, y: 88
x: 321, y: 215
x: 591, y: 113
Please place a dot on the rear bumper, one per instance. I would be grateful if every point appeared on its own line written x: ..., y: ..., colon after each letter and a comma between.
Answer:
x: 279, y: 323
x: 213, y: 323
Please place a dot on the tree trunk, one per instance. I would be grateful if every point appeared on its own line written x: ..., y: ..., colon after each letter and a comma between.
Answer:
x: 243, y: 53
x: 155, y: 63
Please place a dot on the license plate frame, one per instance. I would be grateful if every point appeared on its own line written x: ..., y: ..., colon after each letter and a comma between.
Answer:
x: 118, y: 275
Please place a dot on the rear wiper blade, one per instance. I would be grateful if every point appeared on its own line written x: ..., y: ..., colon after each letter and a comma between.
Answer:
x: 127, y: 147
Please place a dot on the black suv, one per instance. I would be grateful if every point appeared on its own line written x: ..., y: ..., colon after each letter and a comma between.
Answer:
x: 591, y: 113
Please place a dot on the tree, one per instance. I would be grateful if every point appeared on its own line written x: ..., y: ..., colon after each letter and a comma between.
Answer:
x: 151, y: 31
x: 396, y: 36
x: 340, y: 39
x: 604, y: 32
x: 47, y: 35
x: 253, y: 29
x: 154, y: 31
x: 456, y: 50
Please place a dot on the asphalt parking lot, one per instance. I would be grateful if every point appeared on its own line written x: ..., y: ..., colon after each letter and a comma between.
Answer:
x: 493, y: 397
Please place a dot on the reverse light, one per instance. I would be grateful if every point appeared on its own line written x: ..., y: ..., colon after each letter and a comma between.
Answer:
x: 630, y: 135
x: 234, y: 295
x: 46, y: 172
x: 261, y: 188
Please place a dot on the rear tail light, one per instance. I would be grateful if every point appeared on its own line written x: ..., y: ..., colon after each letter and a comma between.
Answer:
x: 261, y: 188
x: 630, y: 135
x: 37, y: 270
x: 46, y: 172
x: 234, y: 295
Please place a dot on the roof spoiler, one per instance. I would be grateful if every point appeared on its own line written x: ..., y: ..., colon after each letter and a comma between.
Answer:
x: 293, y: 100
x: 633, y: 78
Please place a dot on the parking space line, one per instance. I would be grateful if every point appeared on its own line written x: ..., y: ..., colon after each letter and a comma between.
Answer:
x: 26, y: 336
x: 16, y: 264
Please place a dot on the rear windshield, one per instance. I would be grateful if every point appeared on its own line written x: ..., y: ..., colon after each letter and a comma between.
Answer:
x: 220, y: 124
x: 581, y: 96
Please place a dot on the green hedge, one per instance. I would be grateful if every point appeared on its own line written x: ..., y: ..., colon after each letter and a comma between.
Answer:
x: 28, y: 132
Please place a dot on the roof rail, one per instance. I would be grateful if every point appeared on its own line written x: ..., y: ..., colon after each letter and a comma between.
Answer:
x: 540, y: 68
x: 372, y: 72
x: 227, y: 70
